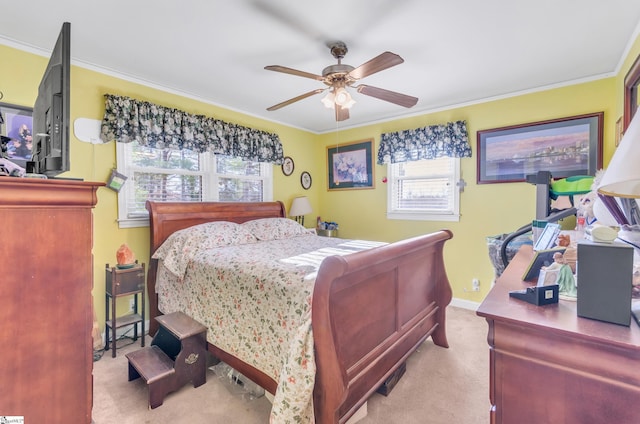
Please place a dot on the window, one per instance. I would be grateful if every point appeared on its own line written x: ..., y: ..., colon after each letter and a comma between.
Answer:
x: 424, y: 190
x: 185, y: 176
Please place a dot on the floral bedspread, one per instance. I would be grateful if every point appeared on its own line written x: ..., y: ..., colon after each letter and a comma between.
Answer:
x: 255, y: 299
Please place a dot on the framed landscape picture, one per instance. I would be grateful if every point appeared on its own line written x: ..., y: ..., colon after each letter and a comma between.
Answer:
x: 350, y: 165
x: 565, y: 147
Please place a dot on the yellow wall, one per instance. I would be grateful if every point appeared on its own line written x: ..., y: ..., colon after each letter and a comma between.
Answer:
x: 19, y: 84
x: 486, y: 209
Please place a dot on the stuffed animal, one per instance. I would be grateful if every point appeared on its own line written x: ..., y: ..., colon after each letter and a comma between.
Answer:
x: 592, y: 208
x: 587, y: 201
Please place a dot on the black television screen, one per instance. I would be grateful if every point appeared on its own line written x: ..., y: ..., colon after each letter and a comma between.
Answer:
x: 50, y: 151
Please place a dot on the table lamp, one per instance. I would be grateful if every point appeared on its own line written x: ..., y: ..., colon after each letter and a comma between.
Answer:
x: 620, y: 183
x: 300, y: 206
x: 604, y: 292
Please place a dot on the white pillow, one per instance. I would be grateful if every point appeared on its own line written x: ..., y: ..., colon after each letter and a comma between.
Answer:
x: 178, y: 249
x: 275, y: 228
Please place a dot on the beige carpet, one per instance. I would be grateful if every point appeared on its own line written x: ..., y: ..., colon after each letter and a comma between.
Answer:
x: 441, y: 386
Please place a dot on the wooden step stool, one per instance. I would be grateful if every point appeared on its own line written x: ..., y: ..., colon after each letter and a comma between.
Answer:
x: 176, y: 356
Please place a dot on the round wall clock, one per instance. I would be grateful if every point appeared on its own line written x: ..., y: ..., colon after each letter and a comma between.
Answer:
x: 287, y: 166
x: 305, y: 180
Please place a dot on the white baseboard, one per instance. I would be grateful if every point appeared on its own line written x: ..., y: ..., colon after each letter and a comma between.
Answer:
x: 465, y: 304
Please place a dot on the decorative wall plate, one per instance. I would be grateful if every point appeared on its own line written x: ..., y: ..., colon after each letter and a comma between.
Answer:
x: 305, y: 180
x: 287, y: 166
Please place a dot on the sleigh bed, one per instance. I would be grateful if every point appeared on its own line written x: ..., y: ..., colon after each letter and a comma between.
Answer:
x: 367, y: 311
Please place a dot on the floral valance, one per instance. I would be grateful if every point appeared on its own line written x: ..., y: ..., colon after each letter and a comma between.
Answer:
x: 126, y: 120
x: 425, y: 143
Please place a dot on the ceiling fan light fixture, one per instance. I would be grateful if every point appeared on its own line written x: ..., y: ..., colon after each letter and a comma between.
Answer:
x: 329, y: 100
x: 339, y: 77
x: 343, y: 98
x: 349, y: 103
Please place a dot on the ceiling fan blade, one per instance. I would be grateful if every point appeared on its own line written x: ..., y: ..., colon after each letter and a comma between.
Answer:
x: 295, y: 99
x: 292, y: 71
x: 377, y: 64
x: 342, y: 113
x: 388, y: 96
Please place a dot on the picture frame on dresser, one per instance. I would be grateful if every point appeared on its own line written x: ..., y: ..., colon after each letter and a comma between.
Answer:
x: 17, y: 124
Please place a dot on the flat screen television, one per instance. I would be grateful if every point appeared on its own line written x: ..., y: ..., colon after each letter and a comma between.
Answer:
x: 50, y: 149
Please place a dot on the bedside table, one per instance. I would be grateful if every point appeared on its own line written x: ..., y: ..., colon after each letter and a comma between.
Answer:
x: 121, y: 282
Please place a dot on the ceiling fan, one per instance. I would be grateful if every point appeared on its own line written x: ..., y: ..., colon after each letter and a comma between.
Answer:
x: 340, y: 76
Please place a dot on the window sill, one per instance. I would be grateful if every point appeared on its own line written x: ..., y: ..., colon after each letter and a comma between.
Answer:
x: 133, y: 223
x: 421, y: 216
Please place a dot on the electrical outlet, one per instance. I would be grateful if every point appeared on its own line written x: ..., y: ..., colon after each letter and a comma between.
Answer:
x: 132, y: 303
x: 475, y: 283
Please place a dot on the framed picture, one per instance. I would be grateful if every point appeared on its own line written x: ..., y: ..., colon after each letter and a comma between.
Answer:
x: 287, y: 166
x: 305, y: 180
x: 565, y: 147
x: 350, y: 165
x: 619, y: 130
x: 17, y: 124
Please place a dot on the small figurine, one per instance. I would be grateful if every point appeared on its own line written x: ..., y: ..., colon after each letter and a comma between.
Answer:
x: 567, y: 288
x: 587, y: 203
x: 564, y: 240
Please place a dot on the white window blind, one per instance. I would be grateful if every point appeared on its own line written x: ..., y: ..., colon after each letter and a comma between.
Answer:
x: 185, y: 176
x: 424, y: 190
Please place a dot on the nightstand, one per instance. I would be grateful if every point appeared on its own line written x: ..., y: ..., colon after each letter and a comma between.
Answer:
x: 121, y: 282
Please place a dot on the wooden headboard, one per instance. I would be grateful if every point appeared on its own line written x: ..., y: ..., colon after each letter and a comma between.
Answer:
x: 165, y: 218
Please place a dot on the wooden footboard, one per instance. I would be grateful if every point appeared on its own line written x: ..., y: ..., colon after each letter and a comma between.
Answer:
x: 371, y: 310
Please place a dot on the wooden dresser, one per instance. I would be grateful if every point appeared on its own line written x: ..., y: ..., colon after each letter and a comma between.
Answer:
x: 547, y: 365
x: 46, y: 277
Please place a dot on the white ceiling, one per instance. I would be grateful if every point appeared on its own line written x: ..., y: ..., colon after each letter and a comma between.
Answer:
x: 455, y: 51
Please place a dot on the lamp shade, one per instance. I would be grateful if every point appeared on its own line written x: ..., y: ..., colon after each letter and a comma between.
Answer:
x: 343, y: 98
x: 300, y: 206
x: 339, y: 96
x: 329, y: 100
x: 622, y: 176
